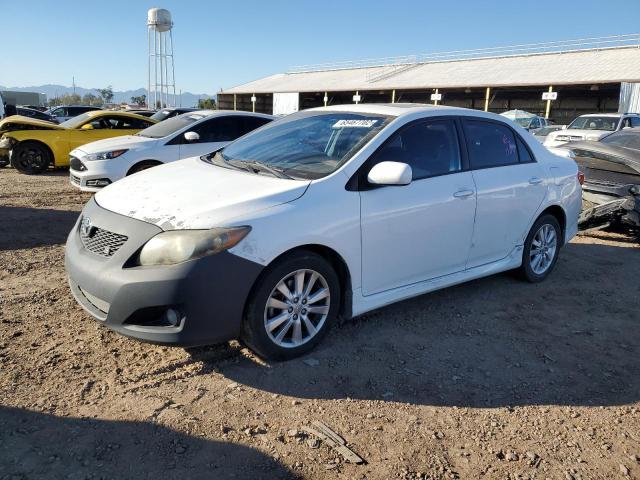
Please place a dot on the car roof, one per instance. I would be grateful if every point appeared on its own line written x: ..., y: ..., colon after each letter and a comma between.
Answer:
x: 406, y: 109
x: 612, y: 115
x: 221, y: 113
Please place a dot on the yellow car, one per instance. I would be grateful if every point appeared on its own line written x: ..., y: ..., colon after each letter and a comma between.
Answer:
x: 41, y: 143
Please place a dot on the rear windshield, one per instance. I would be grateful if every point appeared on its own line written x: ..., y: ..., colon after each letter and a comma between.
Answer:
x: 171, y: 125
x: 307, y: 145
x: 594, y: 123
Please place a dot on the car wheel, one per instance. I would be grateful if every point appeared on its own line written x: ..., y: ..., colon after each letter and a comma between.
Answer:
x: 138, y: 167
x: 292, y: 307
x: 541, y: 249
x: 30, y: 158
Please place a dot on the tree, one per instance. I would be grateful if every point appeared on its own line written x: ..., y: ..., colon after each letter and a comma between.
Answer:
x: 106, y: 94
x: 140, y: 100
x: 207, y: 103
x: 91, y: 99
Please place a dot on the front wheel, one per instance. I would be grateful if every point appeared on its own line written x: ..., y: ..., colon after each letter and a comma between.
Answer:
x: 541, y: 249
x: 146, y: 164
x: 291, y: 307
x: 30, y: 158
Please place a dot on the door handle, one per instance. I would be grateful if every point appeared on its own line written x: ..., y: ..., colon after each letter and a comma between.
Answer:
x: 463, y: 193
x: 535, y: 180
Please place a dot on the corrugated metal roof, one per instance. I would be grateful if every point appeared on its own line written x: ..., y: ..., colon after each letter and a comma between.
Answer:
x: 609, y: 65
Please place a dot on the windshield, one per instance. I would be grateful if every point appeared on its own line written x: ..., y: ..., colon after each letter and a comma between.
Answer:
x: 628, y: 139
x: 306, y: 145
x: 523, y: 122
x: 75, y: 122
x: 172, y: 125
x: 594, y: 123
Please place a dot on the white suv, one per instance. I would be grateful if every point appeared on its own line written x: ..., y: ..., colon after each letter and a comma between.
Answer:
x: 98, y: 164
x: 592, y: 127
x: 325, y: 212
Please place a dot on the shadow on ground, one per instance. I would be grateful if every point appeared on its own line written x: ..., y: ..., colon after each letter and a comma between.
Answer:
x: 571, y: 340
x: 22, y: 227
x: 40, y: 446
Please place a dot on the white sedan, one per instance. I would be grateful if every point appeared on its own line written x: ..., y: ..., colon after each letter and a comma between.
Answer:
x: 326, y: 212
x: 98, y: 164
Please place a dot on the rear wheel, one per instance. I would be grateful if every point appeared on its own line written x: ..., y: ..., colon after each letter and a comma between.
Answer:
x: 292, y: 307
x: 30, y: 158
x: 138, y: 167
x: 541, y: 249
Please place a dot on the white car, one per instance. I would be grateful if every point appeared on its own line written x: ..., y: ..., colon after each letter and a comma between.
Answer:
x: 98, y: 164
x: 326, y: 212
x: 592, y: 127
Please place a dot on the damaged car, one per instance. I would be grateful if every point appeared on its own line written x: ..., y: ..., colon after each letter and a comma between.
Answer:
x: 611, y: 188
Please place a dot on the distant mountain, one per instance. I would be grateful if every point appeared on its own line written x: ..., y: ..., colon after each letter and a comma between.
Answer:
x: 187, y: 99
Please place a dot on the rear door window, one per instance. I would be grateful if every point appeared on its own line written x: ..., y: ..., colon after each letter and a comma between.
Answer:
x: 490, y: 144
x: 251, y: 123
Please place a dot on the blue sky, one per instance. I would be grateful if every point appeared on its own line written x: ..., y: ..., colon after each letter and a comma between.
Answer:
x: 219, y: 44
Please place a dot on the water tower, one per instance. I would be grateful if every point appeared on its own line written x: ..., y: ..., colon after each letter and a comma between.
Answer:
x: 161, y: 87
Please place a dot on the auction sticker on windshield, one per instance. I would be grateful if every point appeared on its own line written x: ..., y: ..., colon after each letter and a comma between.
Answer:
x: 355, y: 123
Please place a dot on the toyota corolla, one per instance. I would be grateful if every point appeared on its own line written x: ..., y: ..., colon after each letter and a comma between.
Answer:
x: 327, y: 212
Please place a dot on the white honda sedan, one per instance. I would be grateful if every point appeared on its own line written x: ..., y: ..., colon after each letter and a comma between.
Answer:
x: 98, y: 164
x: 326, y: 212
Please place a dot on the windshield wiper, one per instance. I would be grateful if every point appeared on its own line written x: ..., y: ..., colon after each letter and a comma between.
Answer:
x: 255, y: 167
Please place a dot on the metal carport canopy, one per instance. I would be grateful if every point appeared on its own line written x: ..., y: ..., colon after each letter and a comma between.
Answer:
x: 607, y: 65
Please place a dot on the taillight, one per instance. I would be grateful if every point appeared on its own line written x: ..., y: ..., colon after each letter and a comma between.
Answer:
x: 581, y: 177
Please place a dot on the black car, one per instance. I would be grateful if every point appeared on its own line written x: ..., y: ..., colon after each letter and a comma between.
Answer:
x: 144, y: 113
x: 611, y: 169
x: 32, y: 113
x: 169, y: 112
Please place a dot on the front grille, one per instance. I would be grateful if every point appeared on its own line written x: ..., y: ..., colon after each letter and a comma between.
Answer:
x: 568, y: 138
x: 101, y: 242
x: 76, y: 164
x: 75, y: 179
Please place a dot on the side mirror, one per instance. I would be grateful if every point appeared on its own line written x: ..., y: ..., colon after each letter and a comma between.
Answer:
x: 564, y: 127
x: 390, y: 173
x: 191, y: 137
x: 86, y: 126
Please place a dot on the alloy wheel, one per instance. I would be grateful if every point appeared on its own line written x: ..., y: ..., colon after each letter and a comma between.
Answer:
x: 543, y: 249
x: 297, y: 308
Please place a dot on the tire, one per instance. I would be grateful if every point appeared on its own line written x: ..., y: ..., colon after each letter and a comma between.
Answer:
x: 30, y: 158
x: 298, y: 337
x: 541, y: 249
x: 146, y: 164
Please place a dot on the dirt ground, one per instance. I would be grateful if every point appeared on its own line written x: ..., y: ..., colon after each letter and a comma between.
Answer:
x: 492, y: 379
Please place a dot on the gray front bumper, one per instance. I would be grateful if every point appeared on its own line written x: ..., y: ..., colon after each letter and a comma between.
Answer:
x: 210, y: 292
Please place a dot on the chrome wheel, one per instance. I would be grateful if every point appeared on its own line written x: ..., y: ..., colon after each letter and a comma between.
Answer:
x: 543, y: 249
x: 297, y: 308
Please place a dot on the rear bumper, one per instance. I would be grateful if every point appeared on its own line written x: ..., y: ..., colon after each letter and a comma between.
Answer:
x: 206, y: 295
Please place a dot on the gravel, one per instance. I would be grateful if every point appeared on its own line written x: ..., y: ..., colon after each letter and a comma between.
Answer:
x: 492, y: 379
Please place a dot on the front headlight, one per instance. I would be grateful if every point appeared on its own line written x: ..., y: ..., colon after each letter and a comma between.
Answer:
x: 177, y: 246
x: 105, y: 155
x: 564, y: 152
x: 7, y: 142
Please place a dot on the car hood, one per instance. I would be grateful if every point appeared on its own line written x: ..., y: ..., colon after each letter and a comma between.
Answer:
x: 579, y: 134
x: 31, y: 122
x: 192, y: 194
x: 117, y: 143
